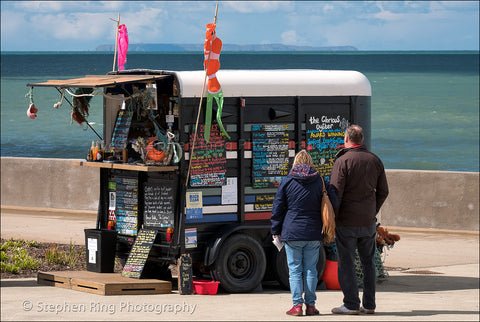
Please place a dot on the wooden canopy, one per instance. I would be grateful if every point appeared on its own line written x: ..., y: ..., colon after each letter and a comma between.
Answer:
x: 90, y: 81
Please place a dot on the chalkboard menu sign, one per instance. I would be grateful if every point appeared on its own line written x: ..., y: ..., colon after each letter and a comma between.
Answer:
x: 139, y: 253
x: 125, y: 206
x: 120, y: 132
x: 159, y: 207
x: 185, y: 275
x: 324, y: 138
x: 270, y: 154
x: 264, y: 202
x: 208, y: 159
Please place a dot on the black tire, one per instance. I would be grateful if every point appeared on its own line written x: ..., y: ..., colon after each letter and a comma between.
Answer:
x: 280, y: 266
x: 240, y: 264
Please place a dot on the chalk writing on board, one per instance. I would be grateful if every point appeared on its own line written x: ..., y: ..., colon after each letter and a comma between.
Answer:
x: 208, y: 159
x: 269, y: 154
x: 139, y: 253
x: 185, y: 275
x: 121, y: 129
x: 159, y: 207
x: 126, y: 204
x: 324, y: 138
x: 263, y: 202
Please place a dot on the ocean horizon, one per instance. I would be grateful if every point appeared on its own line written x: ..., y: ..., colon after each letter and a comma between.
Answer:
x: 425, y: 104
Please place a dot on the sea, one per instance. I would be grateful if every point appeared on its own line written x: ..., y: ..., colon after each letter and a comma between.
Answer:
x: 425, y: 104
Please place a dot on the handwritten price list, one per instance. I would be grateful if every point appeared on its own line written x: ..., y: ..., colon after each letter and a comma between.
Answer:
x: 270, y: 154
x: 126, y: 205
x: 324, y: 139
x: 122, y: 127
x: 209, y: 159
x: 159, y: 204
x: 139, y: 253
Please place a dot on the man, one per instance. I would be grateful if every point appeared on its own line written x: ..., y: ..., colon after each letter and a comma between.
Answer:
x: 358, y: 177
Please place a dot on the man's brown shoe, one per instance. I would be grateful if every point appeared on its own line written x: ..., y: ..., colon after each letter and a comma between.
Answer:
x: 296, y: 310
x: 366, y: 311
x: 311, y: 310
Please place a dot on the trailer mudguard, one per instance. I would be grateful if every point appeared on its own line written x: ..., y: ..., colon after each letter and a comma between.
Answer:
x: 215, y: 243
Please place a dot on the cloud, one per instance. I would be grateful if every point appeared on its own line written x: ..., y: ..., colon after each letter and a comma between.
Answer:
x: 257, y: 6
x: 367, y: 25
x: 289, y: 37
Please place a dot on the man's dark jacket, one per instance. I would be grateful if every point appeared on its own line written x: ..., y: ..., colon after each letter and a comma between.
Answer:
x: 359, y: 179
x: 296, y: 212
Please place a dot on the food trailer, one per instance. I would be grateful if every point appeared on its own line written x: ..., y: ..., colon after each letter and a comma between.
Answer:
x: 203, y: 180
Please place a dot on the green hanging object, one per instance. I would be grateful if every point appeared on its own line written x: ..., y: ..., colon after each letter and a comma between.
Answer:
x: 208, y: 117
x: 208, y: 114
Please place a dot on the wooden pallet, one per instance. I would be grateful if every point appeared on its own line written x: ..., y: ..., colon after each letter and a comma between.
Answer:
x: 103, y: 283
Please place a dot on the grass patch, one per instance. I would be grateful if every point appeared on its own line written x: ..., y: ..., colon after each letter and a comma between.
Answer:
x: 55, y: 256
x: 14, y: 256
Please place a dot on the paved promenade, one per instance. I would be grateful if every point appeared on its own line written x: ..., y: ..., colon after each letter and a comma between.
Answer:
x: 433, y: 276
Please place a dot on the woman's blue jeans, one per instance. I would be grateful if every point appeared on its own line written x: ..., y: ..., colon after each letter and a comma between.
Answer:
x: 302, y: 258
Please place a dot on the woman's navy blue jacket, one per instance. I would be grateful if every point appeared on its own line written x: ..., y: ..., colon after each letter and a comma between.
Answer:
x: 296, y: 212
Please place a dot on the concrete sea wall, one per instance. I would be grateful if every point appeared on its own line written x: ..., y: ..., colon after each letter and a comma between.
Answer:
x: 420, y: 199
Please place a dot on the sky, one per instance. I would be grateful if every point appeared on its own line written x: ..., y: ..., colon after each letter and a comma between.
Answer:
x: 366, y: 25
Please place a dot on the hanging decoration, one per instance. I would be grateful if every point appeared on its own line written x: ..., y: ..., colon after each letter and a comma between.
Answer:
x: 32, y: 110
x: 81, y: 104
x: 122, y: 46
x: 212, y: 49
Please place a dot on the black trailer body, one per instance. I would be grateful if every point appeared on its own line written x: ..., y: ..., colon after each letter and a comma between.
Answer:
x: 218, y: 197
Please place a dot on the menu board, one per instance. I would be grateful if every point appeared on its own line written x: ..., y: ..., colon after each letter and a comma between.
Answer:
x: 264, y: 202
x: 270, y: 154
x: 126, y: 204
x: 324, y: 138
x: 208, y: 159
x: 139, y: 253
x: 185, y: 275
x: 159, y: 206
x: 120, y: 132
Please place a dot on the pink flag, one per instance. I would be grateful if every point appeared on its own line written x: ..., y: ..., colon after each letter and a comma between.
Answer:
x: 122, y: 46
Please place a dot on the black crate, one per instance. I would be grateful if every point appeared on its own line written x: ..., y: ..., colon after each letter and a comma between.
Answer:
x: 100, y: 247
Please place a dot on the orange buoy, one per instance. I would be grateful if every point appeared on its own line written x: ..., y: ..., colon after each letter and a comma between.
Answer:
x: 153, y: 153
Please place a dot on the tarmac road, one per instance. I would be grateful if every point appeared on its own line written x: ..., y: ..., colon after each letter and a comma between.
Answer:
x: 433, y: 276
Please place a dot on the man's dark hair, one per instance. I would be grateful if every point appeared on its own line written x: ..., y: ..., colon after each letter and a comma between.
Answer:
x: 355, y: 134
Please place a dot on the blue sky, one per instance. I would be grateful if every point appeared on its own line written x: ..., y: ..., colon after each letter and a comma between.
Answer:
x: 366, y: 25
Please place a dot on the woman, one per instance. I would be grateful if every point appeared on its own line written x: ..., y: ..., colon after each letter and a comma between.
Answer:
x: 297, y: 221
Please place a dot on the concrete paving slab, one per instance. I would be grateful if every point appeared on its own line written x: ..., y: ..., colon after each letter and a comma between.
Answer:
x: 433, y: 276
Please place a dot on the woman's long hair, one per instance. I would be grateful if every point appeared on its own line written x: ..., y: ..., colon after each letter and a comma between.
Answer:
x: 302, y: 157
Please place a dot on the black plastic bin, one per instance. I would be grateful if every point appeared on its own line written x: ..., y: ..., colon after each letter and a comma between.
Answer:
x: 100, y: 250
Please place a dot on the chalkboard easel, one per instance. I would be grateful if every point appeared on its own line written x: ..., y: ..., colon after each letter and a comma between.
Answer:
x: 185, y: 275
x: 139, y: 253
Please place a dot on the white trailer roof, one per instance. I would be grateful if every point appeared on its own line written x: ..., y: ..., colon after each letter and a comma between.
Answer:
x: 286, y: 82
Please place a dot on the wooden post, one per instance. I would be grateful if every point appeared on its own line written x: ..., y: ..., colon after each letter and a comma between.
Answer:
x: 116, y: 42
x: 200, y: 104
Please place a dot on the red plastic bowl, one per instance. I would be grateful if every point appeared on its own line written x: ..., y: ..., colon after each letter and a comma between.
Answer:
x: 205, y: 287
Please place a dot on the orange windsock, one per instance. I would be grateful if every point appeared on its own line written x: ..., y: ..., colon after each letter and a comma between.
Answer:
x: 212, y: 49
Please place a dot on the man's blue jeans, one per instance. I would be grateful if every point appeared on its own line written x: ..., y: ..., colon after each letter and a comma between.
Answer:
x: 302, y: 258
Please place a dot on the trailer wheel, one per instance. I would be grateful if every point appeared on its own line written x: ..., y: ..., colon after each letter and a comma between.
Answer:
x: 280, y: 266
x: 240, y: 264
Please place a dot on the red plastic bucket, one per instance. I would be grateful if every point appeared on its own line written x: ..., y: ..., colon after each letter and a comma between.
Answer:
x: 205, y: 287
x: 330, y: 275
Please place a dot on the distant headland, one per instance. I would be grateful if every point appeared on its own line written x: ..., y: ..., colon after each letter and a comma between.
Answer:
x: 226, y: 47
